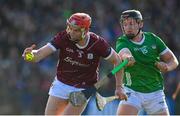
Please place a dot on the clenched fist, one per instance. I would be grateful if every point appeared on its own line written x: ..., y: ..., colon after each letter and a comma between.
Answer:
x: 121, y: 93
x: 162, y: 66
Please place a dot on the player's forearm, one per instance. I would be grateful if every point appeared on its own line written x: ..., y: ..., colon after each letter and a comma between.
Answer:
x: 172, y: 64
x: 42, y: 53
x: 170, y: 61
x: 37, y: 56
x: 119, y: 75
x: 116, y: 60
x: 119, y: 78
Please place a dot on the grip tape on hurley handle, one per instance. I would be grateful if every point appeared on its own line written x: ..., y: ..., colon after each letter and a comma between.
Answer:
x: 119, y: 67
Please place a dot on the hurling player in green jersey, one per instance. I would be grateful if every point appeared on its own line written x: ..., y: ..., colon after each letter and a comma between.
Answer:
x: 143, y: 79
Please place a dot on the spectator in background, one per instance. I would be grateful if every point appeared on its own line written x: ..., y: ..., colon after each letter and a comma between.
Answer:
x: 172, y: 88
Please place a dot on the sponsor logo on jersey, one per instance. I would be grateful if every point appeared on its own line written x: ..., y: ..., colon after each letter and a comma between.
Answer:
x: 73, y: 62
x: 90, y: 56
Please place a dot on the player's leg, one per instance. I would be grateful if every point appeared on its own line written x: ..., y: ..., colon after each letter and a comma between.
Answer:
x: 126, y: 109
x: 72, y: 110
x: 58, y: 98
x: 55, y: 105
x: 58, y: 101
x: 131, y: 106
x: 156, y: 104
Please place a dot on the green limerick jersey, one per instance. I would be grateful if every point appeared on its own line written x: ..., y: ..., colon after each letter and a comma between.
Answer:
x: 143, y: 76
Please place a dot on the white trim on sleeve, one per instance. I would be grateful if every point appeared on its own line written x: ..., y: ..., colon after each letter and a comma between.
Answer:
x: 164, y: 51
x: 112, y: 50
x: 51, y: 46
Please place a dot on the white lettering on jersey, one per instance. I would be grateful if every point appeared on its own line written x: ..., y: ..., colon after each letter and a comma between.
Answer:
x: 80, y: 53
x: 73, y: 62
x: 142, y: 49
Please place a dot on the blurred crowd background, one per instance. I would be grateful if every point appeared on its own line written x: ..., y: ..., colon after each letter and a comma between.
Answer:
x: 24, y: 86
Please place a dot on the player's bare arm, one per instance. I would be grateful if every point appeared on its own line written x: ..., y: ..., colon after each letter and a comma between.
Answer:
x: 168, y: 62
x: 125, y: 53
x: 38, y: 54
x: 115, y: 59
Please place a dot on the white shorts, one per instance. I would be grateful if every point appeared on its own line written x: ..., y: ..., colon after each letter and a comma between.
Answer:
x: 152, y: 103
x: 61, y: 90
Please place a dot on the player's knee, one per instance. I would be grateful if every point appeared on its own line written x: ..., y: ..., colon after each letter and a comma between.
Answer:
x: 126, y: 109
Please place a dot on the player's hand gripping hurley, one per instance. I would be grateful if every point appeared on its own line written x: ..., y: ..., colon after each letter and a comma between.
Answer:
x: 80, y: 97
x: 102, y: 101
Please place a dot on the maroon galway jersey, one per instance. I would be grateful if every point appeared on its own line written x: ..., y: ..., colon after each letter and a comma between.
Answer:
x: 78, y: 65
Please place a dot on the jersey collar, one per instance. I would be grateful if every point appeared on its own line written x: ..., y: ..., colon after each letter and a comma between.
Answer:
x: 139, y: 43
x: 87, y: 42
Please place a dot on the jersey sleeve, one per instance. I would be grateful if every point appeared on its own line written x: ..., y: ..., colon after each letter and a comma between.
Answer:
x: 56, y: 42
x: 161, y: 46
x: 120, y: 44
x: 103, y: 48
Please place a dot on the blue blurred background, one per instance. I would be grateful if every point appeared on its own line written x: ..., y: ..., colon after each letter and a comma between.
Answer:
x: 24, y: 86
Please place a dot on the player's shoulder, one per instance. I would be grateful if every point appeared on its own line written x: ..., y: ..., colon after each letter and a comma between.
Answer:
x: 122, y: 39
x: 94, y: 37
x: 61, y: 35
x: 150, y: 34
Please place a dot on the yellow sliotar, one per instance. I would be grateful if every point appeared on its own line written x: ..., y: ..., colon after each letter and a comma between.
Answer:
x: 29, y: 57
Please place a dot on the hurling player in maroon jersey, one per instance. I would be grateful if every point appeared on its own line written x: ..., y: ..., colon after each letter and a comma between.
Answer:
x: 79, y: 58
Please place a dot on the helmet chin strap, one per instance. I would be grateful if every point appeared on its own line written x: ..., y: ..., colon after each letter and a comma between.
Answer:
x: 83, y: 34
x: 82, y: 37
x: 67, y: 29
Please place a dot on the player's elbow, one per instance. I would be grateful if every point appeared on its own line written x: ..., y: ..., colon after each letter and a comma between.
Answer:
x: 176, y: 62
